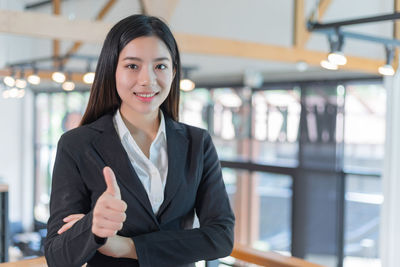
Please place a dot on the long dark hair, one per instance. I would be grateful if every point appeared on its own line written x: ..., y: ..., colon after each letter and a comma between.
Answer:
x: 104, y: 98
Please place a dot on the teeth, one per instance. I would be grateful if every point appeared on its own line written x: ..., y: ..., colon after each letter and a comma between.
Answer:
x: 145, y: 95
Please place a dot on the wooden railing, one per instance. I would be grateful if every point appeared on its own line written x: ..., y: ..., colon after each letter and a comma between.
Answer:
x: 242, y: 253
x: 36, y: 262
x: 268, y: 258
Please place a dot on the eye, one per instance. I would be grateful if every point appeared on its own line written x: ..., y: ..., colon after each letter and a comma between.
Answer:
x: 161, y: 66
x: 132, y: 66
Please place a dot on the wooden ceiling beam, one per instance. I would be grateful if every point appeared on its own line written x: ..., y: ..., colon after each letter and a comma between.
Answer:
x: 223, y: 47
x: 75, y: 47
x: 37, y: 25
x: 143, y: 7
x: 106, y: 8
x: 159, y: 8
x: 300, y: 32
x: 56, y: 42
x: 396, y: 35
x: 322, y: 7
x: 53, y: 27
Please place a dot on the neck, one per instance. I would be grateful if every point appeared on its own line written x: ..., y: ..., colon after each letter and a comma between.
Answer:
x: 138, y: 123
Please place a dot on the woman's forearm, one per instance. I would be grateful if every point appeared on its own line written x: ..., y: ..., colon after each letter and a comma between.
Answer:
x: 119, y: 247
x: 116, y: 246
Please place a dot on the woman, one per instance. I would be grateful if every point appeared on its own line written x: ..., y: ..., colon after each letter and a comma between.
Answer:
x: 128, y: 181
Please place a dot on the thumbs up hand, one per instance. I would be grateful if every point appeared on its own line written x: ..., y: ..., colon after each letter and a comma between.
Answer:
x: 109, y: 211
x: 111, y: 182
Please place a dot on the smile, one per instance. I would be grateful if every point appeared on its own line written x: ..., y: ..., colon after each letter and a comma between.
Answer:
x: 146, y: 97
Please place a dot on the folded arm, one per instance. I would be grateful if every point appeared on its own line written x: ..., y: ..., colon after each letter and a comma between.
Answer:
x: 69, y: 195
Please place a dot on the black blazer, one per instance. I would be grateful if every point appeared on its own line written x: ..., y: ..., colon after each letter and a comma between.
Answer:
x: 194, y: 185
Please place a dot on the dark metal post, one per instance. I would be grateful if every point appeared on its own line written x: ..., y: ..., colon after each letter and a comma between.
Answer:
x: 4, y: 234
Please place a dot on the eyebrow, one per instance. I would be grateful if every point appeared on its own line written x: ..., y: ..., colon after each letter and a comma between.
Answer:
x: 139, y: 59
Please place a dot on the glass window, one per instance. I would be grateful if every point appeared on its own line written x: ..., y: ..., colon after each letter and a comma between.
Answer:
x: 236, y: 182
x: 318, y: 199
x: 230, y: 178
x: 273, y: 199
x: 322, y: 131
x: 230, y: 124
x: 364, y: 131
x: 364, y: 138
x: 195, y: 107
x: 55, y: 114
x: 276, y: 117
x: 363, y: 201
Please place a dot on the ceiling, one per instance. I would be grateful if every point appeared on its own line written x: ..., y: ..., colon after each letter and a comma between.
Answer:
x: 268, y: 22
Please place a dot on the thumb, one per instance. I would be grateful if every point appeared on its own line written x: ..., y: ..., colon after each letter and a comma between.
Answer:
x: 111, y: 182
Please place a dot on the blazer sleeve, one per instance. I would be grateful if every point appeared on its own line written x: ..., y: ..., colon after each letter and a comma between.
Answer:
x: 214, y: 238
x: 69, y: 195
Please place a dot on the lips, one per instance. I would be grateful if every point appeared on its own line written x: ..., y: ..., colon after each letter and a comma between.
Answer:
x: 145, y: 97
x: 148, y: 95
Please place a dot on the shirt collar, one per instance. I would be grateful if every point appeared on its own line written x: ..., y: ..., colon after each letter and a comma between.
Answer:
x: 123, y: 131
x: 161, y: 129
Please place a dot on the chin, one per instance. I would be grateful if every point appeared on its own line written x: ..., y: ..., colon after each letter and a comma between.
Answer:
x: 146, y: 111
x: 140, y: 108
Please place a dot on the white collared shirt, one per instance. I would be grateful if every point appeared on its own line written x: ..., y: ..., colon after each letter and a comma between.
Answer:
x: 152, y: 171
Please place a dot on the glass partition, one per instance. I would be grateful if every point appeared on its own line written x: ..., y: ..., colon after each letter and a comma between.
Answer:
x: 276, y: 118
x: 55, y: 114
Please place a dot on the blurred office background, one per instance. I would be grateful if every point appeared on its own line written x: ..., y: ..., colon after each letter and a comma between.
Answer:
x: 308, y: 153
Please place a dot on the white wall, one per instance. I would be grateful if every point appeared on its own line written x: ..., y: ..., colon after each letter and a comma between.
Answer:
x: 16, y: 135
x: 389, y: 228
x: 16, y: 156
x: 10, y: 144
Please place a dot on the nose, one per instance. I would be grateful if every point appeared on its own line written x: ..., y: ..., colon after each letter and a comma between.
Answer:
x: 147, y: 76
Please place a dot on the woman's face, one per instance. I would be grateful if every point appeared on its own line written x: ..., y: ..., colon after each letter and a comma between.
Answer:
x: 144, y: 75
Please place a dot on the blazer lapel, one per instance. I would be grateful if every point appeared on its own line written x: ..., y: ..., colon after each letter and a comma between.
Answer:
x: 177, y: 146
x: 109, y: 147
